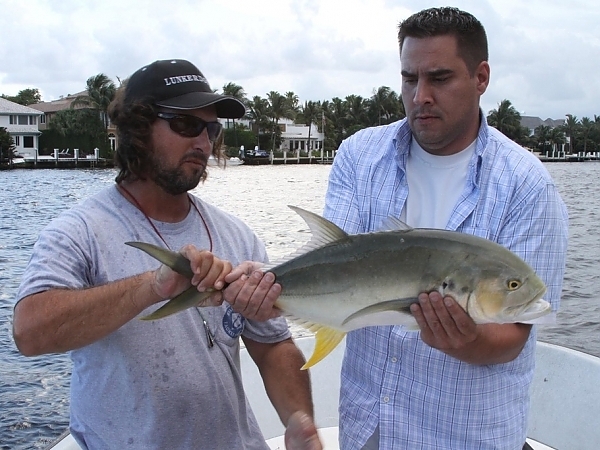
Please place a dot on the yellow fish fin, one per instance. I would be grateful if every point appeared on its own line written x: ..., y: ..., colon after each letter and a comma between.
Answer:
x: 326, y: 339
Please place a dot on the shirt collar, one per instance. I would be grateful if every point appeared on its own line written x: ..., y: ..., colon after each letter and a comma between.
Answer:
x: 403, y: 139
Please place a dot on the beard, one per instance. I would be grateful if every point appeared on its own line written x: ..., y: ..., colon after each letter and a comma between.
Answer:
x: 173, y: 180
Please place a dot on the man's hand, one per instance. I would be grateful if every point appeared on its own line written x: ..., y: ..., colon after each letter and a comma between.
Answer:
x: 444, y: 323
x: 301, y: 433
x: 209, y: 273
x: 252, y: 292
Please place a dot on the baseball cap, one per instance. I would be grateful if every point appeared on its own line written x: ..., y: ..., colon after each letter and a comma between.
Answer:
x: 178, y: 84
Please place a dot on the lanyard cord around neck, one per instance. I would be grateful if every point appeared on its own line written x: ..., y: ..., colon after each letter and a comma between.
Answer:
x: 210, y: 339
x: 138, y: 206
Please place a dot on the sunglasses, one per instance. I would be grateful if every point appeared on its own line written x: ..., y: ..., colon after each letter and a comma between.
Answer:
x: 191, y: 126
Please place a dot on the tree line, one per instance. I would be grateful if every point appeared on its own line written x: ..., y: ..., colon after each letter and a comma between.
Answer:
x: 338, y: 118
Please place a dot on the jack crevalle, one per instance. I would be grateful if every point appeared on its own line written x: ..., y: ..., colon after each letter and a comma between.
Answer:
x: 339, y: 282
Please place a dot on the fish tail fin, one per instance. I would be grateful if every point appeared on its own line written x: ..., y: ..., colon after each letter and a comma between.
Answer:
x: 175, y: 261
x: 187, y: 299
x: 325, y: 341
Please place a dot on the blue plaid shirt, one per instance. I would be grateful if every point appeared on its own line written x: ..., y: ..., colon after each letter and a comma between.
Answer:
x: 418, y: 396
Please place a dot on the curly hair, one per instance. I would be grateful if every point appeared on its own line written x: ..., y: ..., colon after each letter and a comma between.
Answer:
x: 134, y: 120
x: 469, y: 32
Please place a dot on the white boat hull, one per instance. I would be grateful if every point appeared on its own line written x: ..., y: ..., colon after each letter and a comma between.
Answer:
x: 225, y: 162
x: 565, y: 402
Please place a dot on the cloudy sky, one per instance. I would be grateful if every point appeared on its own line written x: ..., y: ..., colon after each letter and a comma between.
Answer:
x: 544, y: 54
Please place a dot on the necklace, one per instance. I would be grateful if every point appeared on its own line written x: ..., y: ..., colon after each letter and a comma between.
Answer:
x: 138, y: 206
x: 209, y: 335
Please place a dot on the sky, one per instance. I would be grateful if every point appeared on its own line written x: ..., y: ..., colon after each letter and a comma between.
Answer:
x: 544, y: 54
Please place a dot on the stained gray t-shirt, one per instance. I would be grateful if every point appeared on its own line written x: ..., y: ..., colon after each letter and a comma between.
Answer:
x: 153, y: 384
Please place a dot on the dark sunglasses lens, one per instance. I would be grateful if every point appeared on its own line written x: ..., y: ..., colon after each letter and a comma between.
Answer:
x: 214, y: 129
x: 191, y: 126
x: 186, y: 126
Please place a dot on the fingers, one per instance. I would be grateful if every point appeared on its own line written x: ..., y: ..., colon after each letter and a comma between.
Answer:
x: 254, y: 296
x: 244, y: 269
x: 209, y: 271
x: 443, y: 322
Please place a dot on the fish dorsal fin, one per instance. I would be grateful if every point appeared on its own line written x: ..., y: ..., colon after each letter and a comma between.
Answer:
x: 323, y: 232
x: 392, y: 223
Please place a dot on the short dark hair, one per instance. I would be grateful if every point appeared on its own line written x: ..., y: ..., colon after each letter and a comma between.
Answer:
x: 469, y: 32
x: 133, y: 120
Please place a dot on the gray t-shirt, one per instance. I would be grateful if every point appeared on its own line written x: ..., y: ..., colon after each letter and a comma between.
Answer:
x: 153, y: 384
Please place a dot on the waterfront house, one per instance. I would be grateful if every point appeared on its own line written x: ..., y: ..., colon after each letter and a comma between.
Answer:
x: 294, y: 136
x: 49, y: 110
x: 22, y: 123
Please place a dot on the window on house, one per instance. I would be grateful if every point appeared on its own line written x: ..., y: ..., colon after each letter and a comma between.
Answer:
x: 32, y: 120
x: 28, y: 141
x: 13, y: 120
x: 43, y: 118
x: 17, y: 140
x: 23, y: 120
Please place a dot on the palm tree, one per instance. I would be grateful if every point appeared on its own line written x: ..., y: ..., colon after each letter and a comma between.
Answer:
x: 279, y: 107
x: 386, y: 106
x: 557, y: 137
x: 571, y: 128
x: 356, y: 111
x: 258, y: 112
x: 506, y: 119
x: 586, y: 127
x: 543, y: 134
x: 100, y: 92
x: 311, y: 112
x: 293, y: 105
x: 336, y: 115
x: 237, y: 92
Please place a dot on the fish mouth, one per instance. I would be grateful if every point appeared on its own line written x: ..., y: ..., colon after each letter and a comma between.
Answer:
x: 530, y: 311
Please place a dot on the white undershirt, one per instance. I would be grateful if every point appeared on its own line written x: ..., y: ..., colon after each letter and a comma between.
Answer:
x: 435, y: 183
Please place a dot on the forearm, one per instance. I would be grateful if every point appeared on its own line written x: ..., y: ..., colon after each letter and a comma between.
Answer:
x: 61, y: 320
x: 287, y: 386
x: 494, y: 344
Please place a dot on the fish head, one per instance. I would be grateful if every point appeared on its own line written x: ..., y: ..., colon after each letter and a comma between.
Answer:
x: 508, y: 297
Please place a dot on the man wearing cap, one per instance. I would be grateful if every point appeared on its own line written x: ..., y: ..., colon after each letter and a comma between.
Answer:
x: 173, y: 383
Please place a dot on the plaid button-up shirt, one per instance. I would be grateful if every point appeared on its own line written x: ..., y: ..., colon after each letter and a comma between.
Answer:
x: 419, y: 397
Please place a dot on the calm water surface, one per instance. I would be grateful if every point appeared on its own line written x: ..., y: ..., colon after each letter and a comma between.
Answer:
x: 34, y: 391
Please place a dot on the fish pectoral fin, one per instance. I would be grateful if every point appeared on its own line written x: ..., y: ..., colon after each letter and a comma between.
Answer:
x: 326, y: 339
x: 379, y: 314
x: 187, y: 299
x: 173, y: 260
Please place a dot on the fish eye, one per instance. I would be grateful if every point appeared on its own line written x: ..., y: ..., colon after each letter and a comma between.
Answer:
x: 513, y: 285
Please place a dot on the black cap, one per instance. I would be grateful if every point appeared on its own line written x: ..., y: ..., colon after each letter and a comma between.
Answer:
x: 178, y: 84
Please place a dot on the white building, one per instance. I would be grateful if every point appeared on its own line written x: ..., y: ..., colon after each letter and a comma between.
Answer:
x: 294, y: 136
x: 21, y: 122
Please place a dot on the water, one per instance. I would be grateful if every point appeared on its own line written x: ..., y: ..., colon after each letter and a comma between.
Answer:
x: 34, y: 391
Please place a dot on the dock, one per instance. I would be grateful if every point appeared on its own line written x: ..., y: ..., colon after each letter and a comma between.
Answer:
x: 292, y: 158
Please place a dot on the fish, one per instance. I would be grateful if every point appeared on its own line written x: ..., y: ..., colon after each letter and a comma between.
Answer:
x: 339, y: 282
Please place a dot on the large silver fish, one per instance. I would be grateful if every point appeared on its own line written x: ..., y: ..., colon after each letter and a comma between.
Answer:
x: 339, y: 282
